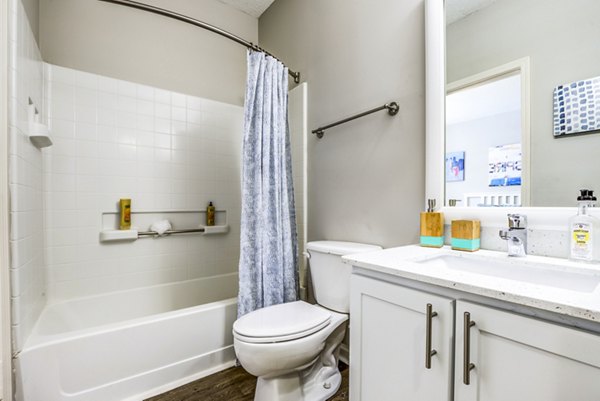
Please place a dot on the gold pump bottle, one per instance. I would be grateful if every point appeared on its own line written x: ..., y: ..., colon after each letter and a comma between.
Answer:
x: 125, y: 206
x: 210, y: 214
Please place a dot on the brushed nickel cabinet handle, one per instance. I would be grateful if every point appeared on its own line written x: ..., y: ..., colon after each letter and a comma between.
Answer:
x: 467, y: 365
x: 428, y: 351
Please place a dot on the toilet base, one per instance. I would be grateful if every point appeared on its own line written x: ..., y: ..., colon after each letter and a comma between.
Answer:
x: 318, y: 381
x: 291, y: 387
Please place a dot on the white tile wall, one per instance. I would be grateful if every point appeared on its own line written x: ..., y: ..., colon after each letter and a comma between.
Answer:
x: 164, y: 150
x: 112, y: 139
x: 25, y: 178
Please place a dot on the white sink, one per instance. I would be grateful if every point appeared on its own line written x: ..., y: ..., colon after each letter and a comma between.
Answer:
x: 519, y: 269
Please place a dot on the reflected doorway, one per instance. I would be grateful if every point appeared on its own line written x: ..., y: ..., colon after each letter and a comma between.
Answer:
x: 486, y: 146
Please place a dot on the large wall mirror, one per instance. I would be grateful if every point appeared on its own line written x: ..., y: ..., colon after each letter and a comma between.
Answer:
x: 521, y: 111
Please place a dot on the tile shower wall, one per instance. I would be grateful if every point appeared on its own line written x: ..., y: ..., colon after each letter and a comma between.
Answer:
x: 25, y: 178
x: 164, y: 150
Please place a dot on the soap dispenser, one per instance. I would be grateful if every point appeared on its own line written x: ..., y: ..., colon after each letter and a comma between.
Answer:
x: 583, y: 230
x: 210, y: 214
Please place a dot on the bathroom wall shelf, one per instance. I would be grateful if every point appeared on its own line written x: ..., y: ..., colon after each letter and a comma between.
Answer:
x: 118, y: 235
x: 132, y: 235
x: 191, y: 219
x: 222, y: 229
x: 39, y: 135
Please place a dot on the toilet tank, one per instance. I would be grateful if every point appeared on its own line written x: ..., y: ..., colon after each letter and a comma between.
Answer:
x: 330, y: 277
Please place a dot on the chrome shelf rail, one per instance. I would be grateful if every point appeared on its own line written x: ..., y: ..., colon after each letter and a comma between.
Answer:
x: 170, y: 232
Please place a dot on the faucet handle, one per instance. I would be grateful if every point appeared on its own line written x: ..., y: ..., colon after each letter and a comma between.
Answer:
x: 518, y: 221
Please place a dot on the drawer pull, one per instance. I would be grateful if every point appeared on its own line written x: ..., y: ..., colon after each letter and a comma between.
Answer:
x: 467, y: 365
x: 428, y: 351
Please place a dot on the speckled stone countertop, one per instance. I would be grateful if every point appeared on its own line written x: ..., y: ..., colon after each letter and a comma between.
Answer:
x: 551, y: 284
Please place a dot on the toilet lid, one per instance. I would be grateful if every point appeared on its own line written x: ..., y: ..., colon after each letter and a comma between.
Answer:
x: 281, y: 322
x: 340, y: 248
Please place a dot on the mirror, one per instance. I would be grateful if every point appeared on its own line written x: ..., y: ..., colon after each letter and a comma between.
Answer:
x: 507, y: 136
x: 485, y: 121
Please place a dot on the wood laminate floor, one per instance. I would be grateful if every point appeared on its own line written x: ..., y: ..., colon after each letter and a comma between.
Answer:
x: 233, y: 384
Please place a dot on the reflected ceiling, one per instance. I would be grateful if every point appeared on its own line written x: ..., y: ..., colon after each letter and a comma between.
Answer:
x: 458, y: 9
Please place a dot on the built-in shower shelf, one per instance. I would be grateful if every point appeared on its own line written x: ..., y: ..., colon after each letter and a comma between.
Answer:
x: 118, y: 235
x: 208, y: 230
x: 191, y: 221
x: 134, y: 234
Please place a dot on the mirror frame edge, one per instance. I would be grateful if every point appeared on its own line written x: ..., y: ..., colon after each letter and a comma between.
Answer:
x: 435, y: 117
x: 435, y: 93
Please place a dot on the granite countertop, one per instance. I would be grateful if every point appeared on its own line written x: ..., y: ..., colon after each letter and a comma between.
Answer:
x: 551, y: 284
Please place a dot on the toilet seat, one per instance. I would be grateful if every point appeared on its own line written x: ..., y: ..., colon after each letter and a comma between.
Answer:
x: 281, y: 323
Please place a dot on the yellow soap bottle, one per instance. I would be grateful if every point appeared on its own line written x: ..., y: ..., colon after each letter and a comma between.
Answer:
x: 210, y: 214
x: 125, y: 206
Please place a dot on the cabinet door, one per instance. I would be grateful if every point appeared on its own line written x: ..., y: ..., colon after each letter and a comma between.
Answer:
x: 388, y: 343
x: 520, y: 358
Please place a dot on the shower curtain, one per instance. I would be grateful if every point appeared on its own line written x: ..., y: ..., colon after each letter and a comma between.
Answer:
x: 268, y: 268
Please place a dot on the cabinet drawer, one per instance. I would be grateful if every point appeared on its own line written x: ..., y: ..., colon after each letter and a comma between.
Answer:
x: 521, y: 358
x: 389, y: 331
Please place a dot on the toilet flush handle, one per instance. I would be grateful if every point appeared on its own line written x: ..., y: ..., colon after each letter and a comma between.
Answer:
x: 306, y: 255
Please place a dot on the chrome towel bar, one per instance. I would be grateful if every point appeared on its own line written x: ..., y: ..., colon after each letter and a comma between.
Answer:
x: 392, y: 109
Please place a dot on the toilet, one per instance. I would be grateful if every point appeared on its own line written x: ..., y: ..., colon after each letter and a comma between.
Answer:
x: 293, y: 348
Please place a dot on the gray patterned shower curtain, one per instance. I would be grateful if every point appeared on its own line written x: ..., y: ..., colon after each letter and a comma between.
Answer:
x: 268, y: 268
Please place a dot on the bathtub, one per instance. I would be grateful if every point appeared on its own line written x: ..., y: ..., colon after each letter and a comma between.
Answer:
x: 129, y: 345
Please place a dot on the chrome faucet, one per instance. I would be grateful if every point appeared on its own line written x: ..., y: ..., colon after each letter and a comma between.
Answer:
x: 516, y: 236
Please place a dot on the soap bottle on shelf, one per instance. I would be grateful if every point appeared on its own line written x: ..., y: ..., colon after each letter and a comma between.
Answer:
x: 125, y: 214
x: 583, y: 230
x: 210, y: 214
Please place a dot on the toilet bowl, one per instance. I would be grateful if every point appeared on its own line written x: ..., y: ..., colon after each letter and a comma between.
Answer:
x: 280, y: 355
x: 293, y: 348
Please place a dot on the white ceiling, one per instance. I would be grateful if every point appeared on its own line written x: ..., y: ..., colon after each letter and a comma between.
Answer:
x: 254, y: 8
x: 496, y: 97
x: 459, y: 9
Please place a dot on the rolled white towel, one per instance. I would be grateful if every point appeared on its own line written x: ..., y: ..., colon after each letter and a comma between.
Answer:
x: 161, y: 227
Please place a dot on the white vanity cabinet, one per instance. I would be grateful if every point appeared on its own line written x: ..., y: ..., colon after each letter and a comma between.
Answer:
x: 388, y: 342
x: 522, y: 358
x: 512, y: 357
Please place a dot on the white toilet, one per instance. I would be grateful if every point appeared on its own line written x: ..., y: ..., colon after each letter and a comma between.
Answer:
x: 293, y: 348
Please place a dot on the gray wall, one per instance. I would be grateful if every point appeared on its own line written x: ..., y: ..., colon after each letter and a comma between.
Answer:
x: 366, y: 178
x: 32, y: 9
x: 138, y: 46
x: 561, y: 39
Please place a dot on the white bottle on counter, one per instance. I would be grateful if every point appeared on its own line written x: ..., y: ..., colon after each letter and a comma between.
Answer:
x: 584, y: 229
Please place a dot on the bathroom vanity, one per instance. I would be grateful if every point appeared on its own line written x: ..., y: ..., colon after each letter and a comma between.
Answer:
x: 437, y: 324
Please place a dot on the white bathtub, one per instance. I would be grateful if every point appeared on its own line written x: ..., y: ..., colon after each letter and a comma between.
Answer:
x: 129, y: 345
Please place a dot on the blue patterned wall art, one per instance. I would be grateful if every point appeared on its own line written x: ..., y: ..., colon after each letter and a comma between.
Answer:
x: 577, y: 107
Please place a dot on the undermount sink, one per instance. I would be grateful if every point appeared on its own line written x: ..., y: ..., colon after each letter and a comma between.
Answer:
x: 517, y: 269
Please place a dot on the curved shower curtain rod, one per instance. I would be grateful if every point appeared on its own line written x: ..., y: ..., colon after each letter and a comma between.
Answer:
x: 198, y: 23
